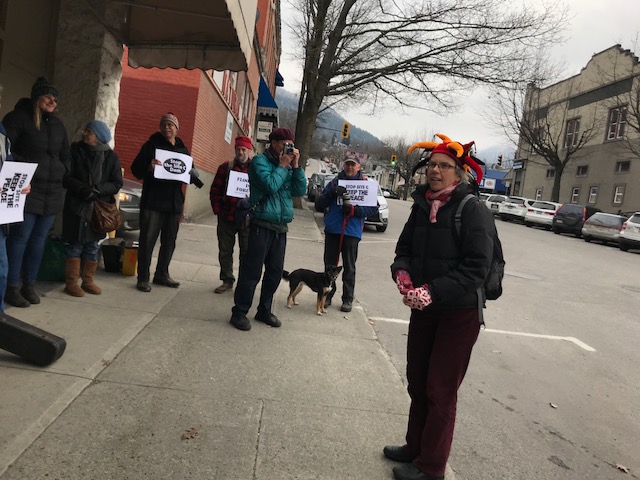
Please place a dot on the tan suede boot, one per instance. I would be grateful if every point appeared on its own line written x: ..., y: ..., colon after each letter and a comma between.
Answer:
x: 88, y: 271
x: 72, y: 272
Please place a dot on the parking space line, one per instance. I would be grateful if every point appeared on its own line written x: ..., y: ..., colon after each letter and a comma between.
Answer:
x: 573, y: 340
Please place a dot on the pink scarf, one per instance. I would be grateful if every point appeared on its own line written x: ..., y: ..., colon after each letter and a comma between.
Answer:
x: 436, y: 199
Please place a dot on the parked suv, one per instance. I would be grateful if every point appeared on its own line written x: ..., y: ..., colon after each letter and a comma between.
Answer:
x: 570, y: 217
x: 630, y: 233
x: 514, y: 208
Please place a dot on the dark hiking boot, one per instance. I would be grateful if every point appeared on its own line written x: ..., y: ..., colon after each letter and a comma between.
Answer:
x: 268, y: 318
x: 28, y: 292
x: 397, y: 454
x: 241, y: 322
x: 15, y: 298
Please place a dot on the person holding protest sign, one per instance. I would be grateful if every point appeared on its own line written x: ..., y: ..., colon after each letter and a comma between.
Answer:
x: 95, y: 174
x: 160, y: 205
x: 275, y: 177
x: 224, y: 206
x: 5, y: 154
x: 343, y: 226
x: 37, y: 135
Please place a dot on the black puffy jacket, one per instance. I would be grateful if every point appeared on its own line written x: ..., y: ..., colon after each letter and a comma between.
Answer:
x: 158, y: 194
x: 48, y: 147
x: 452, y: 268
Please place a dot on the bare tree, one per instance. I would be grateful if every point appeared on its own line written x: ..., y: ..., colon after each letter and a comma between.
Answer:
x: 413, y: 52
x: 405, y: 162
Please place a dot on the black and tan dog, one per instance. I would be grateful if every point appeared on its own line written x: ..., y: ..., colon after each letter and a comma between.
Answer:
x: 319, y: 282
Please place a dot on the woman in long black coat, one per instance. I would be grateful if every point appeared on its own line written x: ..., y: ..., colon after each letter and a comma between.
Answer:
x: 37, y: 135
x: 94, y: 174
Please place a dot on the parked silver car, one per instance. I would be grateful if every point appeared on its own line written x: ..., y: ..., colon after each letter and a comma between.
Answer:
x: 603, y: 226
x: 630, y: 233
x: 129, y: 197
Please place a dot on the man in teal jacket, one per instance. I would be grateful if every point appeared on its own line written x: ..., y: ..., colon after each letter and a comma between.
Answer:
x: 275, y: 177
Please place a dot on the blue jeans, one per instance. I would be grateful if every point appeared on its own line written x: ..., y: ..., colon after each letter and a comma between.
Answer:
x: 25, y: 245
x: 86, y: 250
x: 4, y: 268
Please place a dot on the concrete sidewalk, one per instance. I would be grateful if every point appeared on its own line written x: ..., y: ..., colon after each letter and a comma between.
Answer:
x: 314, y: 399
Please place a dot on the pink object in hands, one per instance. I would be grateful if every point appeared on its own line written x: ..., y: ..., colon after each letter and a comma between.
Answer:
x: 418, y: 298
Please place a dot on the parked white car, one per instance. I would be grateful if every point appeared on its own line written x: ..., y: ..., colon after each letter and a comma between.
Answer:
x: 541, y: 214
x: 381, y: 219
x: 630, y: 233
x: 514, y: 208
x: 494, y: 201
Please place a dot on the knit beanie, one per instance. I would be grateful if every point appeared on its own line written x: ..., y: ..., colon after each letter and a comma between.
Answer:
x: 101, y: 130
x: 170, y: 117
x: 244, y: 142
x: 43, y: 87
x: 282, y: 134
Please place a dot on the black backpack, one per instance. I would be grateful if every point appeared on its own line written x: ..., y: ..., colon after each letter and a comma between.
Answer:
x: 493, y: 282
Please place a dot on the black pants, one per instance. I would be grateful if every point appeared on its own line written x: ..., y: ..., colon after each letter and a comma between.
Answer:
x: 152, y: 224
x: 266, y: 248
x: 227, y: 232
x: 349, y: 256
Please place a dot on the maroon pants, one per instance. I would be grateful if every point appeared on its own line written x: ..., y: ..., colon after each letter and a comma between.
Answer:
x: 438, y: 351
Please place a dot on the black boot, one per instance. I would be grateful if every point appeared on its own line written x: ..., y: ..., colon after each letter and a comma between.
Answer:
x: 15, y: 298
x: 29, y: 293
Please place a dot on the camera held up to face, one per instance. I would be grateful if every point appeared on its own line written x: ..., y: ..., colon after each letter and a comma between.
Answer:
x: 288, y: 148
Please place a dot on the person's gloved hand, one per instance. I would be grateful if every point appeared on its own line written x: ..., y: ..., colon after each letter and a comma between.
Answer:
x: 94, y: 194
x: 351, y: 210
x: 403, y: 281
x: 348, y: 209
x: 337, y: 191
x: 418, y: 298
x: 84, y: 191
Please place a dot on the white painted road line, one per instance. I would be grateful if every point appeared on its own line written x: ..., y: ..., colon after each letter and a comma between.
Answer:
x: 390, y: 320
x: 573, y: 340
x: 579, y: 343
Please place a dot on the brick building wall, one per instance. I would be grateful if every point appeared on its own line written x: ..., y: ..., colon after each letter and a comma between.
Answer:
x: 145, y: 95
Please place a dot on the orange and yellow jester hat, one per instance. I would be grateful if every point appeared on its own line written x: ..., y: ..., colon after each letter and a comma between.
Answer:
x: 460, y: 153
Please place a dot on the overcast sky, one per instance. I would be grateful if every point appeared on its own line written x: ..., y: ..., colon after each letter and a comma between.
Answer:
x: 595, y: 26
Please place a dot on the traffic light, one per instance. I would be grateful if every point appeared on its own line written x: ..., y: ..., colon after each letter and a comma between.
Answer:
x: 500, y: 161
x: 394, y: 160
x: 346, y: 126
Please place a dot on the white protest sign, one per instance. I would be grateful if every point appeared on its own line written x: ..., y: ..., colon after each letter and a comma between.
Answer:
x: 14, y: 176
x: 238, y: 184
x: 362, y: 192
x: 175, y: 166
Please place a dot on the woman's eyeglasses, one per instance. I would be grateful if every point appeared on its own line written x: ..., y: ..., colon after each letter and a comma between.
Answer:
x: 443, y: 166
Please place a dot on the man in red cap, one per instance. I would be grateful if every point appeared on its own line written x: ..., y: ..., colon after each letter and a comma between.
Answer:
x: 224, y: 207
